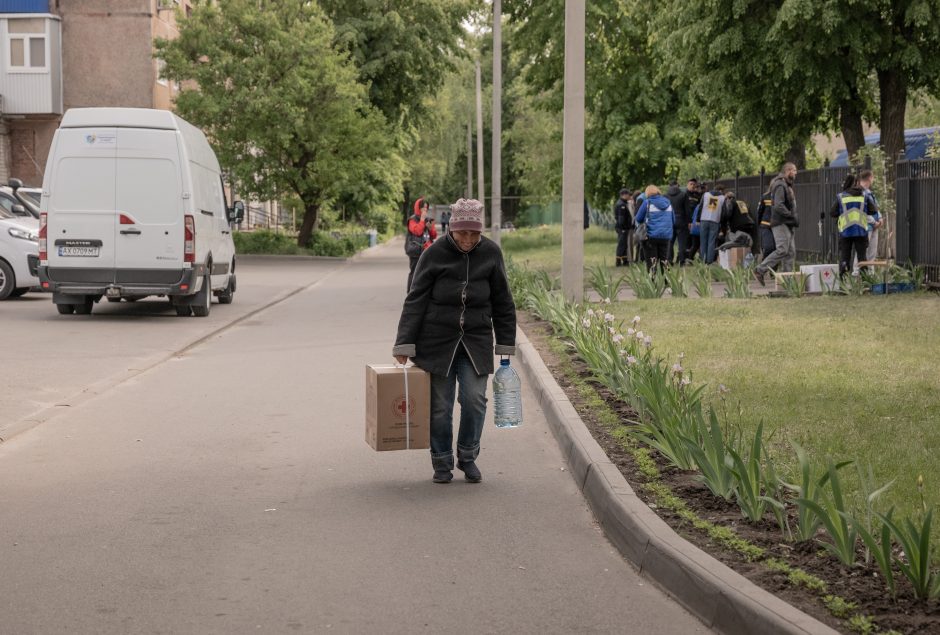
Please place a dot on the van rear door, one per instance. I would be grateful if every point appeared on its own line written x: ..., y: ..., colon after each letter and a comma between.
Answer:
x: 81, y: 221
x: 149, y: 205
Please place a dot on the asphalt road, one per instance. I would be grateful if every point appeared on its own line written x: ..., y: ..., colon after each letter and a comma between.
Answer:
x: 186, y: 475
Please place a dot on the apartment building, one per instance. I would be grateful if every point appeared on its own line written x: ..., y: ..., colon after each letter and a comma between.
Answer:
x: 61, y: 54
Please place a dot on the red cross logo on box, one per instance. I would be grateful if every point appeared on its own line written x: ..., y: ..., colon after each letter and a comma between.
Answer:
x: 398, y: 406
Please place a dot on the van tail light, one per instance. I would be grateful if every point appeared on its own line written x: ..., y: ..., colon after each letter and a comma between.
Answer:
x: 43, y: 255
x: 189, y: 239
x: 126, y: 220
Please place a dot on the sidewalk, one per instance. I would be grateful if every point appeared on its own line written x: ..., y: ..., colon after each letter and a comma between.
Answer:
x: 230, y: 490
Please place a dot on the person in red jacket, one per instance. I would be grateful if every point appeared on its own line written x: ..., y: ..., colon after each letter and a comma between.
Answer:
x: 421, y: 233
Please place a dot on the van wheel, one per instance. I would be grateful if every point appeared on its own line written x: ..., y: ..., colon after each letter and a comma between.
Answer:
x: 85, y: 307
x: 7, y: 280
x: 183, y: 310
x: 228, y: 294
x: 202, y: 303
x: 65, y: 309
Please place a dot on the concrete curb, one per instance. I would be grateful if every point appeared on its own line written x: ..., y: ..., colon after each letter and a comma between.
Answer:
x: 723, y: 599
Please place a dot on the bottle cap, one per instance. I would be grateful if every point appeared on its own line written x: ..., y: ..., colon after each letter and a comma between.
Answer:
x: 504, y: 362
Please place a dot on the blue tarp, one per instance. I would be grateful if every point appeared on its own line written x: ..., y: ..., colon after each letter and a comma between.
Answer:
x: 24, y: 6
x: 916, y: 142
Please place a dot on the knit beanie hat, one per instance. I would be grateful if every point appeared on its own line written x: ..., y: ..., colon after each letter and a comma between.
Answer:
x: 466, y: 215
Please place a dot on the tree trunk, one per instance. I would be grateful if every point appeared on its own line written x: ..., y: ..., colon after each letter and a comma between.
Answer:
x: 893, y: 87
x: 850, y: 122
x: 796, y: 154
x: 309, y: 224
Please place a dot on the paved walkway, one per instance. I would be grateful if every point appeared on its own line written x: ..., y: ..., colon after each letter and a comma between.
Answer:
x: 231, y: 491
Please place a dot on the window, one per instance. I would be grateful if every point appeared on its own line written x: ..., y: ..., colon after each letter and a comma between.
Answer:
x: 27, y: 37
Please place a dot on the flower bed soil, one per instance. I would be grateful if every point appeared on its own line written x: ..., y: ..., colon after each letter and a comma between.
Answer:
x: 860, y: 585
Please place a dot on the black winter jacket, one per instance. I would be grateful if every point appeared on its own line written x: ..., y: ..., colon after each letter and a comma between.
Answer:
x: 690, y: 201
x: 623, y: 219
x: 457, y: 297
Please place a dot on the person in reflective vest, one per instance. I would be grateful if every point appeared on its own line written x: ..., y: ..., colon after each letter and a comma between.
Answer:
x: 852, y: 207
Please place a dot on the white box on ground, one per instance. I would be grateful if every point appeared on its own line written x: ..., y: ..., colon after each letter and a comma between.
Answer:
x: 821, y: 277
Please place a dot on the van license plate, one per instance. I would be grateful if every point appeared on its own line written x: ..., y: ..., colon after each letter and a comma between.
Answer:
x: 81, y: 252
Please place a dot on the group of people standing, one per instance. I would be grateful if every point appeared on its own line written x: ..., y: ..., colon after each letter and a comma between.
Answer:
x: 671, y: 228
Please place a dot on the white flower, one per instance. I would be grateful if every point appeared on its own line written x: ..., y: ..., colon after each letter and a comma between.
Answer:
x: 631, y: 360
x: 681, y: 356
x: 611, y: 330
x: 586, y: 322
x: 631, y: 332
x: 636, y: 320
x: 606, y: 300
x: 647, y: 341
x: 639, y: 335
x: 608, y: 317
x: 590, y: 312
x: 686, y: 381
x: 723, y: 390
x: 618, y: 338
x: 677, y: 369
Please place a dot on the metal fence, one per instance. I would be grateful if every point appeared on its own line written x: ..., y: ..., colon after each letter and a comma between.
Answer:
x: 918, y: 215
x: 815, y: 190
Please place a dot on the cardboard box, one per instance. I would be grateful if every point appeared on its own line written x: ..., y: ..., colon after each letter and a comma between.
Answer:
x: 732, y: 258
x: 821, y: 278
x: 386, y: 408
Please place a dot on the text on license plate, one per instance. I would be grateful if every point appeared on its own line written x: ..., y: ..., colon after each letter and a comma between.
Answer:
x: 86, y: 252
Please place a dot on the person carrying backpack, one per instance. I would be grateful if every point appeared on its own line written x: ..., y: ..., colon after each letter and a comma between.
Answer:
x: 421, y: 233
x: 783, y: 223
x: 767, y: 243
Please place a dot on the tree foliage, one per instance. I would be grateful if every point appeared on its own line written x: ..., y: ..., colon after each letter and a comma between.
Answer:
x: 283, y: 109
x: 404, y: 50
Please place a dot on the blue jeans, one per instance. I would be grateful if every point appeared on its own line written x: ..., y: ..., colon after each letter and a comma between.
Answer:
x: 709, y: 240
x: 472, y: 398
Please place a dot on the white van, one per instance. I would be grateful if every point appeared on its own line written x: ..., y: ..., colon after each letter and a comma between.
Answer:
x: 133, y: 205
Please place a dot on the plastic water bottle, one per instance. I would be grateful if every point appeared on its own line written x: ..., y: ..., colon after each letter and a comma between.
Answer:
x: 748, y: 259
x: 507, y: 395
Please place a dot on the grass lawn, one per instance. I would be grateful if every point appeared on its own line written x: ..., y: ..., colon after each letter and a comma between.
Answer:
x: 540, y: 248
x: 846, y: 377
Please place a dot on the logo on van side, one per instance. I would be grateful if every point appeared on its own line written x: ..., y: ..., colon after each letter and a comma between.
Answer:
x: 93, y: 139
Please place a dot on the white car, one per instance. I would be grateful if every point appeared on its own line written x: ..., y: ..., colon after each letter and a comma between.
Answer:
x: 19, y: 254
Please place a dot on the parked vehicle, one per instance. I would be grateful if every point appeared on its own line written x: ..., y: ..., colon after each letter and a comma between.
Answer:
x: 28, y: 197
x: 13, y: 206
x: 19, y: 254
x: 133, y: 205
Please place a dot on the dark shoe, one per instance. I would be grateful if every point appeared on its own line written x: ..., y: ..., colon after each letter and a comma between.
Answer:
x: 443, y: 476
x: 470, y: 471
x: 759, y: 276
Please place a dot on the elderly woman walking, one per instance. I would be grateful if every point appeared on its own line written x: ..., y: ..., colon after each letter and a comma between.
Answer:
x: 459, y: 297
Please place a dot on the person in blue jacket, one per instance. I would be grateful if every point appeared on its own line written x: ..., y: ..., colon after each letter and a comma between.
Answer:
x: 656, y: 211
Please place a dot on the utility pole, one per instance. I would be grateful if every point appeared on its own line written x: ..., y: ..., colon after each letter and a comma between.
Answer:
x: 572, y: 189
x: 469, y: 160
x: 481, y: 186
x: 497, y: 162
